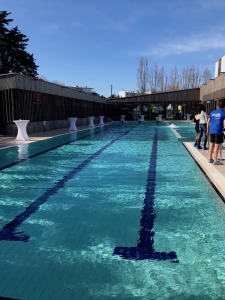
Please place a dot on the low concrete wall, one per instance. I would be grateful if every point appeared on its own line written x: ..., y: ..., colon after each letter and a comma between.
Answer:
x: 32, y: 127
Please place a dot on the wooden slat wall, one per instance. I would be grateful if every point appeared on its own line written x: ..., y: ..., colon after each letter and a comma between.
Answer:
x: 21, y: 82
x: 20, y: 104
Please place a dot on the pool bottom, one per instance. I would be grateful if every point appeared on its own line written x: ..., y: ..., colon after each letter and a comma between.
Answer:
x: 73, y: 235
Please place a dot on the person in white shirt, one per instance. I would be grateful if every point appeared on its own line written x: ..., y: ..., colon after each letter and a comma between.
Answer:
x: 202, y: 126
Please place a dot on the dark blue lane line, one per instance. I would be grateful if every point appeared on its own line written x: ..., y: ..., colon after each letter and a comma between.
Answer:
x: 210, y: 181
x: 9, y: 231
x: 5, y: 298
x: 47, y: 150
x: 145, y: 247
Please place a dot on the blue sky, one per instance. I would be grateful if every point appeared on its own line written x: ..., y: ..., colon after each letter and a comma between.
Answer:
x: 98, y: 43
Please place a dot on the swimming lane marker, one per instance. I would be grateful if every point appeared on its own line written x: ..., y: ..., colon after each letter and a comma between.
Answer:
x: 10, y: 231
x: 145, y: 247
x: 172, y: 126
x: 176, y: 133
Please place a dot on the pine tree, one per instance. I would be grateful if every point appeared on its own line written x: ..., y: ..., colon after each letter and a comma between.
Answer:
x: 14, y: 57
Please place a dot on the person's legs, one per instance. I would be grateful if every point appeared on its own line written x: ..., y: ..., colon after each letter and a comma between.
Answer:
x: 196, y: 138
x: 200, y: 136
x: 216, y: 151
x: 218, y: 142
x: 205, y: 139
x: 211, y: 147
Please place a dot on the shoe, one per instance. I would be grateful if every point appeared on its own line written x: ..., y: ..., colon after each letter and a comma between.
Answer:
x: 199, y: 147
x: 205, y: 148
x: 211, y: 161
x: 195, y: 145
x: 218, y: 163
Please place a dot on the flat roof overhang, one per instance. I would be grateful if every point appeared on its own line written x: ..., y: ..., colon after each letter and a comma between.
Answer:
x: 173, y: 96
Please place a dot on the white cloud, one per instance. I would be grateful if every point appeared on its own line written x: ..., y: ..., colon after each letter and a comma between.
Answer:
x: 57, y: 28
x: 119, y: 22
x: 197, y: 43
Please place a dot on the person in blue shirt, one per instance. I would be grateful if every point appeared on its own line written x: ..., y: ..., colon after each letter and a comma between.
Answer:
x: 215, y: 126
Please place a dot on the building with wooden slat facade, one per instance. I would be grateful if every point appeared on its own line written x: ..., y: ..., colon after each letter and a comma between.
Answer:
x: 169, y: 103
x: 28, y: 98
x: 213, y: 91
x: 174, y: 102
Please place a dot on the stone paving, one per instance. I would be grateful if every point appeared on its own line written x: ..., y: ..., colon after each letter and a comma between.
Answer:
x: 215, y: 173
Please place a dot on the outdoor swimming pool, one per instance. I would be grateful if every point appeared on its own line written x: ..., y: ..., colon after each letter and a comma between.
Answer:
x: 114, y: 212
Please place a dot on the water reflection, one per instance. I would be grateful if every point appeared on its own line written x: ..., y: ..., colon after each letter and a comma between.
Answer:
x: 23, y: 151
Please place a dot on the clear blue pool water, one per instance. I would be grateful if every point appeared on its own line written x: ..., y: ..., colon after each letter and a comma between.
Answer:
x: 120, y: 212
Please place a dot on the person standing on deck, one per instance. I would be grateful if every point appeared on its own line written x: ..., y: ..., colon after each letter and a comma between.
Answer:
x: 215, y: 125
x: 202, y: 125
x: 196, y: 121
x: 182, y: 115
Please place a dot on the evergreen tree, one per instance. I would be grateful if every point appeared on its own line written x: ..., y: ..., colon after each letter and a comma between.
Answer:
x: 113, y: 96
x: 14, y: 57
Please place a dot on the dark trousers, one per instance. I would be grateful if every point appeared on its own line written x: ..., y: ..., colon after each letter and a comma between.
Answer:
x: 202, y: 129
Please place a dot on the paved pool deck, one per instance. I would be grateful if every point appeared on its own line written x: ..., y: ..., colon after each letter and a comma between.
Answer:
x: 10, y: 141
x: 216, y: 174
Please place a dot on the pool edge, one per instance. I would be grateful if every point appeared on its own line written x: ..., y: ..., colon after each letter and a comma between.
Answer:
x: 212, y: 173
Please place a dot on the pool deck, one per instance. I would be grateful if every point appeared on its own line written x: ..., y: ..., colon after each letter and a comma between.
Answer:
x: 10, y: 141
x: 216, y: 174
